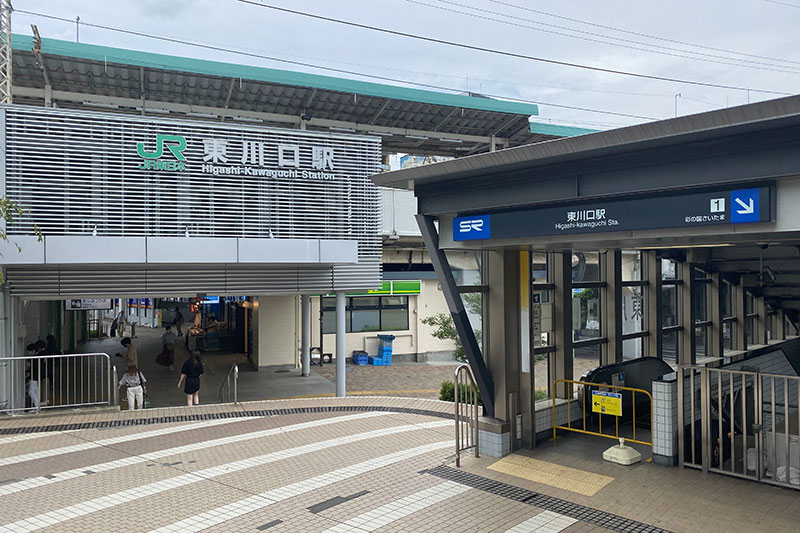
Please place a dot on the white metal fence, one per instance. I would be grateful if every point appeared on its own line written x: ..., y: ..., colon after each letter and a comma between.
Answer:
x: 36, y: 383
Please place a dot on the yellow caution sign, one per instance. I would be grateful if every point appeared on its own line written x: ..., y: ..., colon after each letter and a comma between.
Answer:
x: 607, y: 403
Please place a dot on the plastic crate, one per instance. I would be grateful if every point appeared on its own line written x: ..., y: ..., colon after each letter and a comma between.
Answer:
x: 360, y: 358
x: 385, y: 341
x: 380, y: 361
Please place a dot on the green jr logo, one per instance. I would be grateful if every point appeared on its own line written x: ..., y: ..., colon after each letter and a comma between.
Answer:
x: 176, y: 144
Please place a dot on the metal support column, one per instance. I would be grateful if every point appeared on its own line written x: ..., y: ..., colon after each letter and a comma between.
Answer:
x: 612, y: 308
x: 717, y: 342
x: 780, y: 324
x: 459, y: 314
x: 654, y: 306
x: 740, y: 310
x: 687, y: 355
x: 341, y: 389
x: 562, y: 316
x: 305, y: 334
x: 761, y: 321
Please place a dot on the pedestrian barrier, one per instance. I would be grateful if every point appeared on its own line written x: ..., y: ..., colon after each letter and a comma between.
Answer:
x: 605, y: 400
x: 465, y: 391
x: 229, y: 390
x: 58, y: 381
x: 740, y: 422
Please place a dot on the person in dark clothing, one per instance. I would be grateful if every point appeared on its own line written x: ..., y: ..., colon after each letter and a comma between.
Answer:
x: 191, y: 372
x: 50, y: 348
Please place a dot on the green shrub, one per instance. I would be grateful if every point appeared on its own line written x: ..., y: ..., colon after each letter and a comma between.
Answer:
x: 447, y: 393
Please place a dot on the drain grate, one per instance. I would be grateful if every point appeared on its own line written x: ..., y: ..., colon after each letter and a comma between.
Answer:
x: 110, y: 424
x: 548, y: 503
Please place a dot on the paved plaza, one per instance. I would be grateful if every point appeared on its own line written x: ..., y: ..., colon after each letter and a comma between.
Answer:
x: 341, y: 465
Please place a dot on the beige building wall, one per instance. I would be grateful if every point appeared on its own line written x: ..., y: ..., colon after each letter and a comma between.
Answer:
x: 413, y: 344
x: 278, y: 331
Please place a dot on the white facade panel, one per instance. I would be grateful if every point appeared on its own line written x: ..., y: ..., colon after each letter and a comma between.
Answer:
x: 278, y: 251
x: 338, y: 251
x: 75, y: 173
x: 75, y: 250
x: 193, y: 250
x: 30, y: 251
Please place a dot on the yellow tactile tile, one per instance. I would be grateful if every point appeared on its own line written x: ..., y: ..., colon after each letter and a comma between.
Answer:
x: 554, y: 475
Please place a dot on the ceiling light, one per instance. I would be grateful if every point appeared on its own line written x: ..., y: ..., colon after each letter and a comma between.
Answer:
x: 420, y: 137
x: 451, y: 140
x: 346, y: 130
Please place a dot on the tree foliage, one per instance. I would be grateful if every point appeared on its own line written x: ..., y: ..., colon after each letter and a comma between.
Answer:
x: 445, y: 329
x: 8, y: 211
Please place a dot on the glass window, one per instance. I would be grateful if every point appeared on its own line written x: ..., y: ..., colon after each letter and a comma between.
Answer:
x: 632, y: 348
x: 700, y: 301
x: 631, y: 265
x: 541, y: 318
x: 669, y: 347
x: 727, y: 335
x: 669, y: 305
x: 585, y: 314
x: 394, y: 319
x: 368, y: 313
x: 632, y: 310
x: 585, y: 266
x: 726, y: 295
x: 539, y: 270
x: 669, y: 269
x: 467, y: 267
x: 584, y: 359
x: 701, y: 341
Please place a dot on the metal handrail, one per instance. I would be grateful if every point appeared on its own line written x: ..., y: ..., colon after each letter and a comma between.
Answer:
x: 588, y: 385
x: 466, y: 412
x: 73, y: 380
x: 230, y: 383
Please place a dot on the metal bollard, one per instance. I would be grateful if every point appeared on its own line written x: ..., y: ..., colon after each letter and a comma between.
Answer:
x: 133, y: 330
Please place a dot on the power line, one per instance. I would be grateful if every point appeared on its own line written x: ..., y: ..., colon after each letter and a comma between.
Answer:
x: 509, y: 54
x: 783, y: 3
x: 640, y: 34
x: 747, y: 63
x: 321, y: 67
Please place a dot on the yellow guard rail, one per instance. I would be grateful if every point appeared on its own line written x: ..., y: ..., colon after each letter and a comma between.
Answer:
x: 588, y: 387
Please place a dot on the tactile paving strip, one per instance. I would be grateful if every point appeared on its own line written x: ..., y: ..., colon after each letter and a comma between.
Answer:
x: 548, y: 503
x: 213, y: 416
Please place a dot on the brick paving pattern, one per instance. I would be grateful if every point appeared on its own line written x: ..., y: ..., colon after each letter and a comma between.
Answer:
x: 355, y: 464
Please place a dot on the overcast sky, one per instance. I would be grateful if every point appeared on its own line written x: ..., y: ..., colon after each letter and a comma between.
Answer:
x: 756, y: 27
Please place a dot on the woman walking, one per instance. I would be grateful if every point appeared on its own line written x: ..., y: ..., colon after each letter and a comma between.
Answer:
x: 191, y: 372
x: 135, y: 381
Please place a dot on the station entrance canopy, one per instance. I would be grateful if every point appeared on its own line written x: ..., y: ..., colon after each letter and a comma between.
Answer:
x: 132, y: 205
x: 716, y: 193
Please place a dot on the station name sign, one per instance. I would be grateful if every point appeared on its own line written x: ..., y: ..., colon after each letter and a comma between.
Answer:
x: 235, y: 157
x: 737, y: 206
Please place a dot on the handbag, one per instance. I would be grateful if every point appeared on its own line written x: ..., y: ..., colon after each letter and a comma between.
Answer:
x: 145, y: 396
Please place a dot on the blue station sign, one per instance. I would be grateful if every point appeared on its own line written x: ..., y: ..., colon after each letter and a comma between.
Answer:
x: 716, y: 208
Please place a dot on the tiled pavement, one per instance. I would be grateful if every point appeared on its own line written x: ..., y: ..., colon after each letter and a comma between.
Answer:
x: 340, y: 465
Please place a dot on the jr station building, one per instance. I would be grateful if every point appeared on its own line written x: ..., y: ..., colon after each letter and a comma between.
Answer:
x: 147, y: 180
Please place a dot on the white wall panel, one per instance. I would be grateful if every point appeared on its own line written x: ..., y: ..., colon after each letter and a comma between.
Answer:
x: 191, y: 250
x: 278, y: 251
x: 76, y: 250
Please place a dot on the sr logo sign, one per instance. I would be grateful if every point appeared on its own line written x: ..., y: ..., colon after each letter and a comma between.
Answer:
x: 472, y: 228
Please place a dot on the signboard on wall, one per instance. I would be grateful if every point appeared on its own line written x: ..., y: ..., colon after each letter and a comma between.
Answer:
x: 716, y: 208
x: 87, y: 304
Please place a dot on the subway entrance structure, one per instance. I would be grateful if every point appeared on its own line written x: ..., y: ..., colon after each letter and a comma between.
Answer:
x: 677, y: 240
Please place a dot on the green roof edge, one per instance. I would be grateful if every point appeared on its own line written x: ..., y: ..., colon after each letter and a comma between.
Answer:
x: 230, y: 70
x: 558, y: 130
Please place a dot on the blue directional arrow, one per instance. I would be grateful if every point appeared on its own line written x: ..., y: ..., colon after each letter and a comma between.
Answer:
x: 745, y: 206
